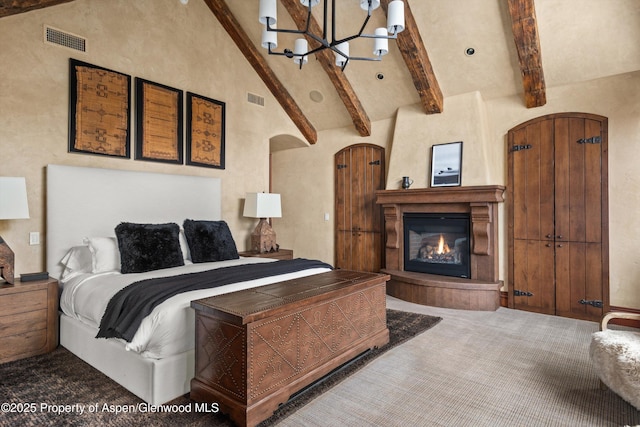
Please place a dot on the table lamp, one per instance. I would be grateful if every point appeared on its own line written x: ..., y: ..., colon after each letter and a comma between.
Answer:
x: 13, y: 205
x: 263, y: 206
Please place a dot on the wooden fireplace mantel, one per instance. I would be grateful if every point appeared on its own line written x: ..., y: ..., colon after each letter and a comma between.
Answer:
x: 480, y: 202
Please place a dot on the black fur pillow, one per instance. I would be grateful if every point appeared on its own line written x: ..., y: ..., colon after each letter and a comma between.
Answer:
x: 209, y: 241
x: 147, y: 247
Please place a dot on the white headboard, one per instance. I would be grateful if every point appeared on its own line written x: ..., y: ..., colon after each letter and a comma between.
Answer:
x: 90, y: 202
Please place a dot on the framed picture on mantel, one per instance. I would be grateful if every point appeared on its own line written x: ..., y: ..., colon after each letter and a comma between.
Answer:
x: 446, y: 164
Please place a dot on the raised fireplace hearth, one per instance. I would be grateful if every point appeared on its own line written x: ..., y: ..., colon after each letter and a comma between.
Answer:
x: 465, y: 277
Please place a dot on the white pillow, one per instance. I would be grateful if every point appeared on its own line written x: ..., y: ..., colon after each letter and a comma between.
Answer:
x: 184, y: 246
x: 104, y: 252
x: 77, y: 260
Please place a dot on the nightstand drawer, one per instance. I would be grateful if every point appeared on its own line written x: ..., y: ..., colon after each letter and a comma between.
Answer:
x: 28, y: 319
x: 20, y: 302
x: 28, y: 344
x: 23, y: 322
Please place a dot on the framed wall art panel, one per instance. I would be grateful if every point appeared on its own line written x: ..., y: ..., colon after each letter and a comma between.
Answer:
x: 158, y: 122
x: 99, y: 110
x: 205, y: 131
x: 446, y: 164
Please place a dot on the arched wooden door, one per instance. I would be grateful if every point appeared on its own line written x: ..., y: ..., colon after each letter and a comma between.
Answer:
x: 558, y: 216
x: 359, y: 173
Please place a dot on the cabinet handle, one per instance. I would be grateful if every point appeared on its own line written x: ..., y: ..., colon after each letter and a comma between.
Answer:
x: 560, y: 246
x: 549, y: 236
x: 560, y: 236
x: 548, y: 245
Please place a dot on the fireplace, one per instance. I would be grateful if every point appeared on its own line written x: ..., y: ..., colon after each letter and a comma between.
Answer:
x: 437, y: 244
x: 466, y: 278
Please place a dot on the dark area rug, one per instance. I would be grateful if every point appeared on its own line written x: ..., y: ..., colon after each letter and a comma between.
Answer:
x: 60, y: 389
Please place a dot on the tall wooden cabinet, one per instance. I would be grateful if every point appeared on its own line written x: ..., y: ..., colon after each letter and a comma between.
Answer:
x: 558, y: 216
x: 359, y: 173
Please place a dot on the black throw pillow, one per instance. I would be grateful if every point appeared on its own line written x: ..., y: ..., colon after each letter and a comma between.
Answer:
x: 147, y: 247
x: 209, y: 241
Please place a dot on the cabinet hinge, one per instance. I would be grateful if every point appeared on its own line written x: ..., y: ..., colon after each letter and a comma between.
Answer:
x: 595, y: 303
x: 592, y: 140
x: 341, y: 166
x: 519, y: 293
x: 521, y: 147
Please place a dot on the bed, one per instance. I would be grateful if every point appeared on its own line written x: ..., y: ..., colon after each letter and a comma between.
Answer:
x: 84, y: 208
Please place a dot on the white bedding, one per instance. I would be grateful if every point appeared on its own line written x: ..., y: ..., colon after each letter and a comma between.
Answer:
x: 169, y: 329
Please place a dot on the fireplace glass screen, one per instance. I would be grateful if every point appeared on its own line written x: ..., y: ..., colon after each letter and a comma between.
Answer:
x: 437, y: 244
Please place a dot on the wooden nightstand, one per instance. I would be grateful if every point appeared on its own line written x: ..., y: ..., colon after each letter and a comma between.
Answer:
x: 28, y: 319
x: 281, y: 254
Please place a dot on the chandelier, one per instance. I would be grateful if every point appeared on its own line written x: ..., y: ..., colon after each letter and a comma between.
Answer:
x: 340, y: 47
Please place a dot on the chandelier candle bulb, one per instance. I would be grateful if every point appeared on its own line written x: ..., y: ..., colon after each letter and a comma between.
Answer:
x: 369, y: 5
x: 300, y: 47
x: 381, y: 45
x: 268, y: 12
x: 395, y: 17
x: 340, y: 59
x: 269, y: 38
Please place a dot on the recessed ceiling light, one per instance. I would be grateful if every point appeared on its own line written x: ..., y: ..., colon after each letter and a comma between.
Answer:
x: 184, y: 1
x: 469, y: 51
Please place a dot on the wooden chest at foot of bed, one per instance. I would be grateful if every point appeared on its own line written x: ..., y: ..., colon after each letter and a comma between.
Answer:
x: 255, y: 348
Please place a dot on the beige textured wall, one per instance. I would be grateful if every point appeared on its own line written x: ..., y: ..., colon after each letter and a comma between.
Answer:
x: 152, y: 39
x: 305, y: 177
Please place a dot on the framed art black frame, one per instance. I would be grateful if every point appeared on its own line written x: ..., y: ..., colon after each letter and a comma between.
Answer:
x: 159, y: 125
x: 205, y: 131
x: 446, y: 164
x: 99, y: 110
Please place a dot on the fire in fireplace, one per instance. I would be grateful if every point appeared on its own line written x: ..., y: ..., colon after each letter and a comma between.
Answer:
x: 437, y: 244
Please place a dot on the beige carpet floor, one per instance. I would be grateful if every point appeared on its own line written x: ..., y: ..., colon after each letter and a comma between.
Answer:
x: 503, y: 368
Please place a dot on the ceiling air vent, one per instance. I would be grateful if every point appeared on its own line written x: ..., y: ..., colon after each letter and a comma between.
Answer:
x: 61, y: 38
x: 255, y: 99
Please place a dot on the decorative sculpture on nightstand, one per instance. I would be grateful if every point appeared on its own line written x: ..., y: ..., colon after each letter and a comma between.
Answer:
x: 13, y: 205
x: 263, y: 206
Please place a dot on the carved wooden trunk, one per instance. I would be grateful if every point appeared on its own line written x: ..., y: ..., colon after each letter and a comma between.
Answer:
x: 257, y: 347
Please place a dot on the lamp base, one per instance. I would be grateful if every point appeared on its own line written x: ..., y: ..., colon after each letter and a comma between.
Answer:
x: 263, y: 238
x: 6, y: 262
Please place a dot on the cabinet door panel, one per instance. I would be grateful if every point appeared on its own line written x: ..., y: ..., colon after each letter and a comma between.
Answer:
x: 534, y: 273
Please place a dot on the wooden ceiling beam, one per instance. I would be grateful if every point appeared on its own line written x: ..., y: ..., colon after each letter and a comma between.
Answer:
x: 326, y: 59
x: 257, y: 61
x: 417, y: 60
x: 525, y: 35
x: 13, y: 7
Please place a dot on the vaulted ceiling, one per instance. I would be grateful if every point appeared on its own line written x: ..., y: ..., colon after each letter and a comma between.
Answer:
x: 521, y: 47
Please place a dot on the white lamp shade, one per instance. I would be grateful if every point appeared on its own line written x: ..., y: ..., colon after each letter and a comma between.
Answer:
x: 381, y: 45
x: 300, y: 47
x: 364, y: 4
x: 305, y: 3
x: 13, y: 198
x: 395, y: 17
x: 344, y: 48
x: 268, y: 12
x: 262, y: 205
x: 269, y: 38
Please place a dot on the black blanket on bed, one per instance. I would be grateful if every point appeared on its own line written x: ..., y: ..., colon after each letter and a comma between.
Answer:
x: 131, y: 304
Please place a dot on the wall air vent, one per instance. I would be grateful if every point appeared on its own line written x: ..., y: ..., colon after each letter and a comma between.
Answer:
x: 255, y: 99
x: 61, y: 38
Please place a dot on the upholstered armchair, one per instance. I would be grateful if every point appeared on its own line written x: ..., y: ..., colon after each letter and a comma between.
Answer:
x: 616, y: 357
